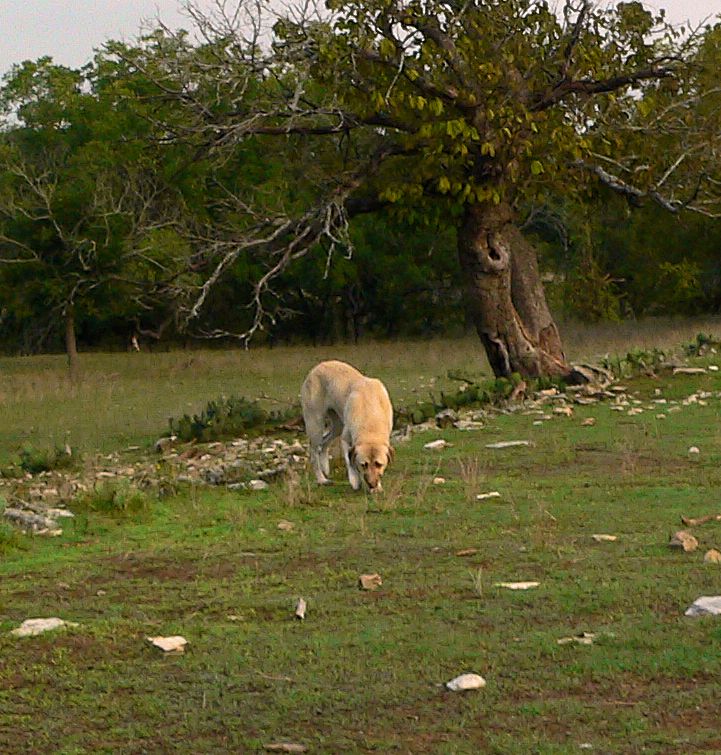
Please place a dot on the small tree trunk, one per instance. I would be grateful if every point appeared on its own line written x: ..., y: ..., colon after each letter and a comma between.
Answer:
x: 505, y: 296
x: 71, y: 343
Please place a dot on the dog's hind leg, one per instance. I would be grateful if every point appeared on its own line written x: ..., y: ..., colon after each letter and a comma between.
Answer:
x: 334, y: 427
x: 314, y: 427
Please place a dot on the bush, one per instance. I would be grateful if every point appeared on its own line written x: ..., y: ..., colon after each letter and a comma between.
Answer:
x: 228, y: 418
x: 114, y: 498
x: 34, y: 460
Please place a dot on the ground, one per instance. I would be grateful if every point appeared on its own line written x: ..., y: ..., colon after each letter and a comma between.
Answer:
x: 364, y: 671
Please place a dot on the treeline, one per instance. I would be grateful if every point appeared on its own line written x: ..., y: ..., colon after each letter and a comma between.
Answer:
x: 114, y: 215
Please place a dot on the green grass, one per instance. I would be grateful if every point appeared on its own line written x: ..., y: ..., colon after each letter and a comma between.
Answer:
x: 362, y: 673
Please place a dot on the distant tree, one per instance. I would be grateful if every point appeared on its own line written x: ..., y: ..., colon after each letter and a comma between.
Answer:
x: 451, y: 113
x: 85, y: 216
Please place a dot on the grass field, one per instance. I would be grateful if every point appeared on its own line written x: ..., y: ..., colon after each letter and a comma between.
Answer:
x: 127, y: 398
x: 363, y: 672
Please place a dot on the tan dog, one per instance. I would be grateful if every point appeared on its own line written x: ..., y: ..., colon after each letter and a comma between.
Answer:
x: 338, y: 401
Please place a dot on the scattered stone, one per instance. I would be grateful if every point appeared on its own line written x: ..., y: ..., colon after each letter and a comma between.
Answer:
x: 467, y: 552
x: 634, y: 411
x: 584, y: 638
x: 694, y: 450
x: 588, y: 422
x: 694, y: 521
x: 285, y: 526
x: 437, y: 445
x: 466, y: 682
x: 713, y: 367
x: 469, y: 424
x: 439, y: 480
x: 446, y: 418
x: 300, y: 609
x: 508, y: 444
x: 537, y: 423
x: 684, y: 541
x: 705, y: 606
x: 712, y: 556
x: 689, y: 371
x: 566, y: 411
x: 175, y: 644
x: 164, y: 444
x: 36, y: 523
x: 369, y: 581
x: 285, y: 747
x: 517, y: 585
x: 548, y: 392
x: 605, y: 538
x: 258, y: 485
x: 660, y: 416
x: 34, y: 627
x: 484, y: 496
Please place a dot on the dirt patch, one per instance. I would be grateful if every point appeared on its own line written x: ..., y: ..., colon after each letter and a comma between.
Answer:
x: 146, y: 565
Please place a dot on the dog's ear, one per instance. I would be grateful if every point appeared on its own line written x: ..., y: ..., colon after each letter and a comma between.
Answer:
x: 391, y: 453
x: 351, y: 456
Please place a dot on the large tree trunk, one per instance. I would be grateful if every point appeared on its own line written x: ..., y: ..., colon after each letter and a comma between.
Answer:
x: 71, y: 343
x: 505, y: 296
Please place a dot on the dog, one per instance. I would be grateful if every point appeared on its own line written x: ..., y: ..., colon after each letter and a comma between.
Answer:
x: 339, y: 401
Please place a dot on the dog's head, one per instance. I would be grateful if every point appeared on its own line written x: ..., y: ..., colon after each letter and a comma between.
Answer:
x: 371, y: 461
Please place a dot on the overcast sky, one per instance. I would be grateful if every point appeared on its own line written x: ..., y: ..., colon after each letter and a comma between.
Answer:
x: 68, y: 30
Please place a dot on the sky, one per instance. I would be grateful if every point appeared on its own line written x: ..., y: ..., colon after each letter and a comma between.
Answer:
x: 69, y: 30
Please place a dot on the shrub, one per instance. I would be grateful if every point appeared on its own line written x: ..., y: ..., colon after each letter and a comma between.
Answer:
x: 228, y: 418
x: 34, y: 460
x: 114, y: 498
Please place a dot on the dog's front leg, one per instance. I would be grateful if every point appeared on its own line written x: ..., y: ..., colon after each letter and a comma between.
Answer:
x: 353, y: 477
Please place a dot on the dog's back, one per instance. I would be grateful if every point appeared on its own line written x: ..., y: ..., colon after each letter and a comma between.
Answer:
x: 328, y: 386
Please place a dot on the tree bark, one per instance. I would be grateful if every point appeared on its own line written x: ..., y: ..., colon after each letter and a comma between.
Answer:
x: 505, y: 295
x: 71, y: 344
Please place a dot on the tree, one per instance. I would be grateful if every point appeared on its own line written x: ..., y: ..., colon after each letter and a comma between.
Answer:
x: 450, y: 113
x: 83, y: 225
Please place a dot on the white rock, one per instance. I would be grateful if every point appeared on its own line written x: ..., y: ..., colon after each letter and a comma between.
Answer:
x: 585, y: 638
x: 713, y: 367
x: 492, y: 494
x: 694, y: 450
x: 33, y: 627
x: 300, y: 608
x: 465, y: 682
x: 508, y: 444
x: 258, y: 485
x: 604, y: 538
x: 705, y: 606
x: 436, y: 445
x: 517, y: 585
x: 468, y: 424
x: 175, y: 644
x: 689, y: 371
x: 439, y: 480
